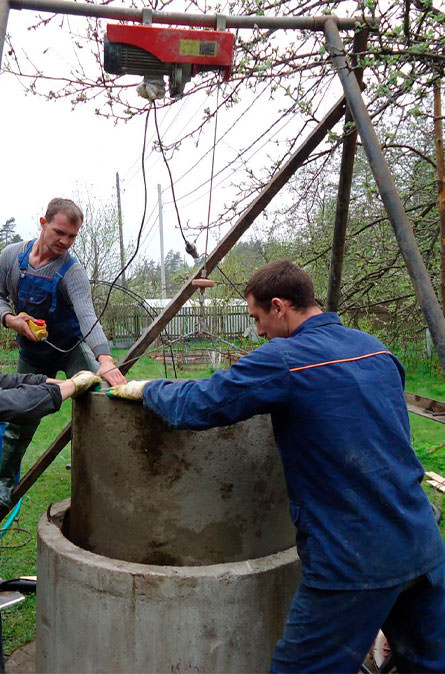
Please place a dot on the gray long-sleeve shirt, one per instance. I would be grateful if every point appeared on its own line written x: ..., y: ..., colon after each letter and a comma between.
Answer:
x: 27, y: 397
x: 74, y: 287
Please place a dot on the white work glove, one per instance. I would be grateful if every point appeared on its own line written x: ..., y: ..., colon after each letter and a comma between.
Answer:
x: 133, y: 390
x: 84, y: 380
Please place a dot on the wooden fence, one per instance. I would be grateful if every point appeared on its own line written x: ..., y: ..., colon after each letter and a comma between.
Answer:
x: 226, y: 321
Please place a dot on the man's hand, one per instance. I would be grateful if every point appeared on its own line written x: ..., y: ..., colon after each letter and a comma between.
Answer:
x: 134, y: 390
x: 84, y: 380
x: 109, y: 371
x: 20, y: 325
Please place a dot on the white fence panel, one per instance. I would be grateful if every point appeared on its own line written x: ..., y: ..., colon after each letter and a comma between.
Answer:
x: 228, y: 321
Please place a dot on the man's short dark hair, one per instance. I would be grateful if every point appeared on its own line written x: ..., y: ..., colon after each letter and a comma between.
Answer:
x: 283, y: 279
x: 67, y: 207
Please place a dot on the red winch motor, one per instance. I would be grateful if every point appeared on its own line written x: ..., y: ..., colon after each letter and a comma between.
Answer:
x: 155, y: 52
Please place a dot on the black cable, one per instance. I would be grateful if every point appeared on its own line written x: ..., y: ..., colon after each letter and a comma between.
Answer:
x: 141, y: 226
x: 211, y: 181
x: 242, y: 152
x: 161, y: 147
x: 149, y: 310
x: 203, y: 156
x: 189, y: 247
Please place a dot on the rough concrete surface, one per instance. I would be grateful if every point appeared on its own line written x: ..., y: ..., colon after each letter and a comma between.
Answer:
x: 146, y: 493
x: 99, y: 615
x: 176, y: 555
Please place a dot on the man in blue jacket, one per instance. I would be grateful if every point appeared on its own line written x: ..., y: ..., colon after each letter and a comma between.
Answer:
x: 372, y: 554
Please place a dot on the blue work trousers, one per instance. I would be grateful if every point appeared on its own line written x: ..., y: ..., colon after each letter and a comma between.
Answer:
x: 332, y: 631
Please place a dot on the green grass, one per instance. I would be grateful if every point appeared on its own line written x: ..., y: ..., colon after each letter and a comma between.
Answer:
x: 147, y: 368
x: 54, y: 485
x: 428, y: 437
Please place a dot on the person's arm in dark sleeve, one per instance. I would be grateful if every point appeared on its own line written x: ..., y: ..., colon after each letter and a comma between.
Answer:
x: 254, y: 385
x: 28, y: 402
x: 15, y: 379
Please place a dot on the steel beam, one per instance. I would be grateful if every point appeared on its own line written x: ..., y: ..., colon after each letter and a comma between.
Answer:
x: 388, y: 191
x: 4, y: 11
x: 344, y: 187
x: 188, y: 19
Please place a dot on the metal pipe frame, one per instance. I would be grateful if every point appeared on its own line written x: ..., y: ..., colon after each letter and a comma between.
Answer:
x: 344, y: 187
x: 402, y: 227
x: 186, y: 19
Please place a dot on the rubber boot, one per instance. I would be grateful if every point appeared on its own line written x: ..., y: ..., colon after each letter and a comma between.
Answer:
x: 15, y: 443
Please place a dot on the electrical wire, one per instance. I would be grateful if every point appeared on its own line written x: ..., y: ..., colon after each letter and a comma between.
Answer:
x: 240, y: 154
x: 221, y: 138
x: 161, y: 147
x: 202, y: 329
x: 138, y: 242
x: 204, y: 155
x: 148, y: 234
x: 127, y: 264
x: 211, y: 177
x: 147, y: 308
x: 210, y: 189
x: 152, y: 137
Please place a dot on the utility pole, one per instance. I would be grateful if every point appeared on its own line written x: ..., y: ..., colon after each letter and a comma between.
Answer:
x: 440, y: 162
x: 161, y: 241
x: 121, y: 236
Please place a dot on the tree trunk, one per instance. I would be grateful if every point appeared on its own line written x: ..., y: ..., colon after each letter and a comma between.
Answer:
x: 438, y: 139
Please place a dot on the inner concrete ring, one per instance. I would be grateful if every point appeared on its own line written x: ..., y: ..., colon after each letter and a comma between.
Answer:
x: 98, y: 614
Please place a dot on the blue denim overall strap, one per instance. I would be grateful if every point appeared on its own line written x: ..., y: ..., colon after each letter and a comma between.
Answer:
x: 39, y: 296
x: 45, y: 283
x: 24, y: 257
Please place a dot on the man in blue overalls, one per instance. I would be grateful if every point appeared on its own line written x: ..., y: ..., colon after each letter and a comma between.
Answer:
x: 41, y: 280
x: 371, y: 551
